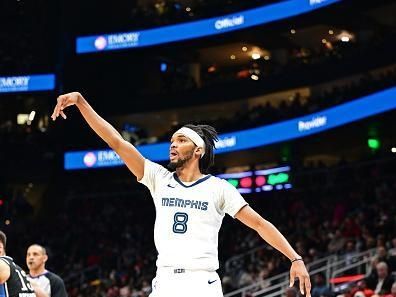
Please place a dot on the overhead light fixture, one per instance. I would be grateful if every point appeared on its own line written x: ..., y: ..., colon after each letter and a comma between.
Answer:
x: 393, y: 150
x: 292, y: 31
x: 256, y: 56
x: 244, y: 49
x: 331, y: 32
x: 232, y: 57
x: 22, y: 118
x: 345, y: 36
x: 254, y: 77
x: 345, y: 39
x: 188, y: 9
x: 266, y: 57
x: 32, y: 115
x: 324, y: 41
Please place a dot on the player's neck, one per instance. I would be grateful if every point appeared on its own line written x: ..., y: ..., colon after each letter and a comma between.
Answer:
x: 189, y: 173
x: 37, y: 272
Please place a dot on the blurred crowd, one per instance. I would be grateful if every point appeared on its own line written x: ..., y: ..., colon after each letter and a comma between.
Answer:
x: 342, y: 210
x: 294, y: 107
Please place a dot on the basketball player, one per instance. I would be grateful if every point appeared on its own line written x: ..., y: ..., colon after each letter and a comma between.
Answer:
x: 52, y: 284
x: 190, y: 205
x: 13, y: 281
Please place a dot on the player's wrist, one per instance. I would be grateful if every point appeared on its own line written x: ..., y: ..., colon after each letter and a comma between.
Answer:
x: 296, y: 259
x: 80, y: 98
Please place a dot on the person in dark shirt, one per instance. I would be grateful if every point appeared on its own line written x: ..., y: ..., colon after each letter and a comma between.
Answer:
x: 13, y: 280
x: 52, y: 284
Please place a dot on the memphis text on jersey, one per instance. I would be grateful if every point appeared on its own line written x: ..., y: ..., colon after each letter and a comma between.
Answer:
x: 185, y: 203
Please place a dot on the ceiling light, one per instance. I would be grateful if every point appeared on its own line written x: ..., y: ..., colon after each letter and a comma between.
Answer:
x: 244, y: 49
x: 345, y: 39
x: 31, y: 116
x: 254, y: 77
x: 232, y: 57
x: 22, y: 118
x: 256, y: 56
x: 345, y: 36
x: 292, y: 31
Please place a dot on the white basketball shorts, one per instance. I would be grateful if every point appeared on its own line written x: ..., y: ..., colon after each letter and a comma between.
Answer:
x: 171, y: 282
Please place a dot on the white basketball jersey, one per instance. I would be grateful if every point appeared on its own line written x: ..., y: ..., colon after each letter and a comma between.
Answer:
x: 189, y: 217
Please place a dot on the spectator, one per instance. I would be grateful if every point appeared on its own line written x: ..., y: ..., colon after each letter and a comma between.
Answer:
x: 320, y: 288
x: 380, y: 281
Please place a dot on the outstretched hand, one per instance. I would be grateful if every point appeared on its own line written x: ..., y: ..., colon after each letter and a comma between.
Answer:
x: 65, y: 101
x: 298, y: 270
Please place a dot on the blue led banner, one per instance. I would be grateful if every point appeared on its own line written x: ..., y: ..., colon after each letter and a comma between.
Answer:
x: 196, y: 29
x: 251, y: 138
x: 27, y: 83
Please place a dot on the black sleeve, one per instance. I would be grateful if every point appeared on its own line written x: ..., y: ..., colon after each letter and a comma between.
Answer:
x: 57, y: 286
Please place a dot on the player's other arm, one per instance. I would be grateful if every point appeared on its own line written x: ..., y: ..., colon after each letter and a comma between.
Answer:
x: 271, y: 234
x: 132, y: 158
x: 4, y: 272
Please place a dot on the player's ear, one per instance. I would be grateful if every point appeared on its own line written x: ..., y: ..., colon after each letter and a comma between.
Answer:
x: 45, y: 258
x: 198, y: 150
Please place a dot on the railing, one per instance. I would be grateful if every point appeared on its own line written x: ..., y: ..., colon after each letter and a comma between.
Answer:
x: 331, y: 266
x: 238, y: 260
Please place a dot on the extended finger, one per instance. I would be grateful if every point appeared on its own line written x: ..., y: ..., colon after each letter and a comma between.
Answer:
x: 55, y: 113
x: 301, y: 279
x: 292, y: 277
x: 53, y: 116
x: 307, y: 286
x: 61, y: 101
x: 63, y: 114
x: 58, y: 106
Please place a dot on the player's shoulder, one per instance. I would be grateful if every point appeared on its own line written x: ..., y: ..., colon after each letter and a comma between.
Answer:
x: 157, y: 168
x: 222, y: 183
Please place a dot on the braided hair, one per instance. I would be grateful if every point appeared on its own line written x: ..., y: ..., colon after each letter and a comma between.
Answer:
x: 209, y: 136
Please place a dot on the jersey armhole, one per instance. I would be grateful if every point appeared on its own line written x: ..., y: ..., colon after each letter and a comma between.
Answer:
x: 4, y: 260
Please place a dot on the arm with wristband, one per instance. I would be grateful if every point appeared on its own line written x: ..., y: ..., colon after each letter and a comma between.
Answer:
x: 271, y: 235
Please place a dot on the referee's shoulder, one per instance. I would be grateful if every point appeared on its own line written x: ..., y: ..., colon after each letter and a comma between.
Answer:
x: 54, y: 277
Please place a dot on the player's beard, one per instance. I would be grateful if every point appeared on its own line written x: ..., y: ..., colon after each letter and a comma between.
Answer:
x: 172, y: 166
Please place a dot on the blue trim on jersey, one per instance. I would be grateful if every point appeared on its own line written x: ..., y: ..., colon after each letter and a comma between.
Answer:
x: 194, y: 184
x: 2, y: 291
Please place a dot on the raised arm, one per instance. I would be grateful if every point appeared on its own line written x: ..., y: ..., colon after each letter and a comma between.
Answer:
x: 128, y: 153
x: 270, y: 234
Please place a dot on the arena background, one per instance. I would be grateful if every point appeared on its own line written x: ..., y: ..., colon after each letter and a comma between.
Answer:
x: 317, y: 78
